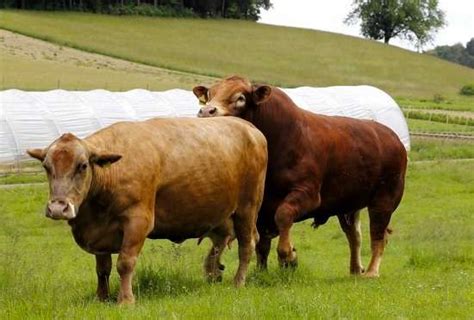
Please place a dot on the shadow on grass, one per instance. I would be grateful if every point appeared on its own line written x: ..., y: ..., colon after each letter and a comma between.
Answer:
x: 155, y: 283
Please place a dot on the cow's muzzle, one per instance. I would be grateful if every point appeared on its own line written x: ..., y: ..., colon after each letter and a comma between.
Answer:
x: 207, y: 111
x: 60, y: 209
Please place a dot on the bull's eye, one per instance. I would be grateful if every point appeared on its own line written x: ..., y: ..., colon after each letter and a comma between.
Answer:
x: 81, y: 167
x: 240, y: 102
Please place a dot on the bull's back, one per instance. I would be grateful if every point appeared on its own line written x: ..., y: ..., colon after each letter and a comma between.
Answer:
x: 360, y: 156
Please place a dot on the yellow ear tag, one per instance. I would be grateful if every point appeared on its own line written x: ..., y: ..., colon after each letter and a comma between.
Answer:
x: 202, y: 100
x: 108, y: 164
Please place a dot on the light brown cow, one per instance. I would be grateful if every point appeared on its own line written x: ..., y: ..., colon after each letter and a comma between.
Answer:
x: 162, y: 179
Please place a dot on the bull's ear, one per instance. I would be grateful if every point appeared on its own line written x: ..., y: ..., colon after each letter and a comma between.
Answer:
x: 261, y: 93
x: 104, y: 159
x: 39, y: 154
x: 201, y: 93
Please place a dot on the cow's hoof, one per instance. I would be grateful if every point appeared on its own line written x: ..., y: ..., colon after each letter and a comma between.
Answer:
x: 126, y: 301
x: 239, y: 283
x: 221, y: 267
x: 370, y: 274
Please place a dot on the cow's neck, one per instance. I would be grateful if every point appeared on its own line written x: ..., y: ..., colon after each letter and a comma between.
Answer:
x: 103, y: 180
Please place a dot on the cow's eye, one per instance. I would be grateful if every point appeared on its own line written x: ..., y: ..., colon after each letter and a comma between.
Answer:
x: 81, y: 167
x: 46, y: 168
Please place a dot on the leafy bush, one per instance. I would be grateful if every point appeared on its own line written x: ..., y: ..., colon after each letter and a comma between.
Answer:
x: 149, y: 11
x: 467, y: 90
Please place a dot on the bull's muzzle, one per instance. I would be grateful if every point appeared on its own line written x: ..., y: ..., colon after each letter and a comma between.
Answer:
x: 60, y: 209
x: 207, y: 111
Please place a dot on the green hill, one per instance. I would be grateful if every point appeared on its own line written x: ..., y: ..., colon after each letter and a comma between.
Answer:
x: 278, y: 55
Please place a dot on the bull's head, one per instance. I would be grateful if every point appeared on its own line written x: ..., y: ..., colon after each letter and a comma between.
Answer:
x: 68, y: 163
x: 230, y: 97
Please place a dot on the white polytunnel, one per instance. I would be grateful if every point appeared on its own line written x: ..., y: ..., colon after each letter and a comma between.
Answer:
x: 34, y: 119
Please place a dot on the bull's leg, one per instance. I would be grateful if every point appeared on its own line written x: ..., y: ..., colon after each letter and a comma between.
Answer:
x: 293, y: 206
x: 212, y: 266
x: 247, y: 236
x: 350, y: 224
x: 263, y: 249
x: 134, y: 235
x: 379, y: 231
x: 103, y: 268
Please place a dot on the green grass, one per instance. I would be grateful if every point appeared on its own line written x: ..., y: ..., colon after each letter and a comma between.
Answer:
x: 427, y: 270
x: 416, y: 125
x: 455, y: 104
x: 437, y: 149
x: 278, y: 55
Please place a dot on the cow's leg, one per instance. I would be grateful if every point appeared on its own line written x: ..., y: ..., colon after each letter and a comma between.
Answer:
x: 134, y: 235
x: 247, y: 236
x: 263, y: 249
x: 212, y: 266
x: 379, y: 231
x: 103, y: 268
x: 350, y: 224
x: 295, y: 204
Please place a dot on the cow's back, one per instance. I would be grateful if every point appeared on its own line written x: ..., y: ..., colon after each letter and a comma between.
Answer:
x: 197, y: 169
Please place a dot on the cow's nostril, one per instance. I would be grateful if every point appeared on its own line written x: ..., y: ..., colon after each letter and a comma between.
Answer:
x: 212, y: 111
x: 200, y: 111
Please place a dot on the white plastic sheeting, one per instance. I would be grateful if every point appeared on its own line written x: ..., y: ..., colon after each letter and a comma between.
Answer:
x: 35, y: 119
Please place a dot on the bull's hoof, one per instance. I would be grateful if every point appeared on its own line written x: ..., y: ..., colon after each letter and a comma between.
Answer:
x: 290, y: 262
x: 262, y: 266
x: 357, y: 271
x: 293, y: 264
x: 214, y: 278
x: 221, y: 267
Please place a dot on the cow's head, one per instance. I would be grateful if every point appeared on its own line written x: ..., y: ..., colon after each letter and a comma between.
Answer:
x: 68, y: 163
x: 230, y: 97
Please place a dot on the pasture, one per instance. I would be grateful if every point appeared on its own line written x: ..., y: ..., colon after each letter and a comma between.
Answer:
x: 31, y: 64
x: 428, y: 266
x: 427, y: 272
x: 279, y: 55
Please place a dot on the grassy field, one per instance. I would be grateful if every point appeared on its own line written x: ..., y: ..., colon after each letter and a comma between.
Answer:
x: 416, y: 125
x: 32, y: 64
x: 427, y: 270
x: 460, y: 103
x: 279, y: 55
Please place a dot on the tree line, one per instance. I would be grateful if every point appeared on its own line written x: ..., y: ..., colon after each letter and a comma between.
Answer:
x: 457, y: 53
x: 235, y: 9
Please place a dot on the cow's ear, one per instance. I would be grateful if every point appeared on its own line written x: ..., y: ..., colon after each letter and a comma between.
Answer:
x: 39, y: 154
x: 104, y: 159
x: 261, y: 93
x: 201, y: 93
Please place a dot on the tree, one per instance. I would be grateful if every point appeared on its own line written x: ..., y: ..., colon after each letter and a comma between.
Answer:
x: 456, y: 53
x: 470, y: 47
x: 414, y: 20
